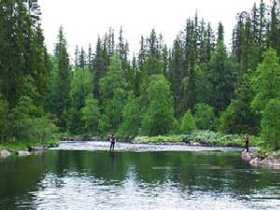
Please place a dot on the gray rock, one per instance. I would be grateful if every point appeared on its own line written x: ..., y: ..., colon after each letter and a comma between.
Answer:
x: 272, y: 162
x: 23, y: 153
x: 38, y: 149
x: 4, y: 154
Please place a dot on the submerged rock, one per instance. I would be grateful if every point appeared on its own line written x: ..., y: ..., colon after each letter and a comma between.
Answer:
x: 4, y: 154
x: 23, y: 153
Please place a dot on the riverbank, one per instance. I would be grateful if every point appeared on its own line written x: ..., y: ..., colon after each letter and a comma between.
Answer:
x: 196, y: 138
x: 25, y: 148
x: 269, y: 160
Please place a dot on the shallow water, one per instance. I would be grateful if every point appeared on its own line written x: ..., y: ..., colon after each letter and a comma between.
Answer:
x: 147, y: 179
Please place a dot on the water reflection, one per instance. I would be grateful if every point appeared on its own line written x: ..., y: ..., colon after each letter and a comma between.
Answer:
x: 151, y: 180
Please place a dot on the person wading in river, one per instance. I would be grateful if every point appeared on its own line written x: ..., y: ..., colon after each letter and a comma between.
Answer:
x: 113, y: 140
x: 247, y: 142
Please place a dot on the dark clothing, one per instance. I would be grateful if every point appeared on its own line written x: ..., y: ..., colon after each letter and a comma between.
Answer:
x: 247, y: 146
x: 247, y: 142
x: 112, y: 146
x: 113, y: 142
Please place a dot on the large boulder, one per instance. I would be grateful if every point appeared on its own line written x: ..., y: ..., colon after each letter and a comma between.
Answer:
x: 23, y: 153
x: 4, y: 154
x: 247, y: 156
x: 253, y: 159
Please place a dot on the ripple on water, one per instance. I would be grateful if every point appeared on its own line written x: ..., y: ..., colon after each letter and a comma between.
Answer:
x: 87, y: 193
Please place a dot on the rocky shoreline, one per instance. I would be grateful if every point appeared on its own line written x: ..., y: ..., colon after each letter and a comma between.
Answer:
x: 5, y: 153
x: 271, y: 161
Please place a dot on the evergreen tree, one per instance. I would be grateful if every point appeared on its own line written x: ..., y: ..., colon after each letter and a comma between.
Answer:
x: 99, y: 67
x: 77, y: 56
x: 82, y: 59
x: 3, y: 118
x: 274, y: 29
x: 63, y: 80
x: 176, y: 73
x: 222, y: 77
x: 239, y: 116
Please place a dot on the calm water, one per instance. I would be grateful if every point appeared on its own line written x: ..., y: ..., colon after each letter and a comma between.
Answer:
x: 193, y: 180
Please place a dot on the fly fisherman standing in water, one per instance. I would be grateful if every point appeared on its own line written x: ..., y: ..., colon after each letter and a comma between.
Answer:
x: 247, y: 142
x: 112, y: 140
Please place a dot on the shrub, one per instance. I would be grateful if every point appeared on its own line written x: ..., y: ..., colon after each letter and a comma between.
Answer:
x: 270, y: 125
x: 91, y: 116
x: 204, y: 116
x: 28, y: 122
x: 187, y: 123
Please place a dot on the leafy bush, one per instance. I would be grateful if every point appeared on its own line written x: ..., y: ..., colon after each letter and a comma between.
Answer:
x: 204, y: 116
x: 187, y: 123
x: 159, y: 115
x: 91, y: 116
x: 200, y: 137
x: 28, y: 122
x: 131, y: 118
x: 270, y: 125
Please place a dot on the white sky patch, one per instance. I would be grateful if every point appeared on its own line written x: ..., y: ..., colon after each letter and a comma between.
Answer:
x: 84, y: 20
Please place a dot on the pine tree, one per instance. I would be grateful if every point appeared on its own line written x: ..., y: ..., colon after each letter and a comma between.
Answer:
x: 82, y: 59
x: 274, y: 29
x: 99, y: 67
x: 176, y: 73
x: 77, y: 56
x: 63, y: 80
x: 221, y: 75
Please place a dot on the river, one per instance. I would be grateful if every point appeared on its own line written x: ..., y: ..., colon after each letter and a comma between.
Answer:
x: 136, y: 177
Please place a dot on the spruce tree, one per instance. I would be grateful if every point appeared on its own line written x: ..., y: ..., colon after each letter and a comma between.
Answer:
x: 63, y: 80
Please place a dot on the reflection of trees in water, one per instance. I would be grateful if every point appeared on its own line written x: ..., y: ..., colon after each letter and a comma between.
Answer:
x: 18, y: 177
x: 188, y: 171
x: 219, y: 172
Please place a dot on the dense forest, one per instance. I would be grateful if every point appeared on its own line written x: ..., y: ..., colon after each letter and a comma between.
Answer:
x: 199, y: 83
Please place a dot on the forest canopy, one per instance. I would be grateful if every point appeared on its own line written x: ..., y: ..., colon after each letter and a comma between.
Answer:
x: 198, y: 83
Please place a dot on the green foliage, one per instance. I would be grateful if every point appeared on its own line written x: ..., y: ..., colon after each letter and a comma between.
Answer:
x: 90, y: 115
x: 23, y: 56
x: 104, y: 125
x: 188, y: 123
x: 239, y: 117
x: 81, y: 87
x: 266, y: 81
x: 204, y: 116
x: 63, y: 83
x: 28, y: 122
x: 196, y: 137
x: 270, y: 125
x: 3, y: 116
x: 131, y: 118
x: 159, y: 114
x: 113, y: 91
x: 222, y: 77
x: 95, y: 98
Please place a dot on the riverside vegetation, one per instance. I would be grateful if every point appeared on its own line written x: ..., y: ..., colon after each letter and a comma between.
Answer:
x: 199, y: 88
